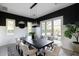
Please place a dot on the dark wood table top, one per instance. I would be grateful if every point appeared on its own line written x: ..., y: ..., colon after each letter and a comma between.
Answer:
x: 38, y: 43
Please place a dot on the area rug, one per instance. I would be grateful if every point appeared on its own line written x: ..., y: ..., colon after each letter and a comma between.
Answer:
x: 12, y: 50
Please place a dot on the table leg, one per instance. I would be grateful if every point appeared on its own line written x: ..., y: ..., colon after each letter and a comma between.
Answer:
x: 39, y: 52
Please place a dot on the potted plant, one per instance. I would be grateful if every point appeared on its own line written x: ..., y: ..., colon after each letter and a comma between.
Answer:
x: 32, y: 34
x: 72, y: 30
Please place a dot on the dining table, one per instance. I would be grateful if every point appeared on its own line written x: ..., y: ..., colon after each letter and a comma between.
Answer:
x: 39, y: 43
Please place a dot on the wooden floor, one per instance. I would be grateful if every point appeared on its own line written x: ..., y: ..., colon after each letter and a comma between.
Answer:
x: 61, y: 52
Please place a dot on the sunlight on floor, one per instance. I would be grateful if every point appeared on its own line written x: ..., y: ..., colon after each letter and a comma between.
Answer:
x: 58, y: 42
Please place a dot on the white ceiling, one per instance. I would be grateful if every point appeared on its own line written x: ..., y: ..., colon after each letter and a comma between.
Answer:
x: 39, y: 10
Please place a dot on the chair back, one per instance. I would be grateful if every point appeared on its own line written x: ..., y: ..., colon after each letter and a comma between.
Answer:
x: 18, y: 41
x: 24, y: 48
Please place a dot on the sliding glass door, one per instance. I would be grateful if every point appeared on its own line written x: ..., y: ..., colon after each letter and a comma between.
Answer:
x: 57, y: 28
x: 52, y: 27
x: 46, y: 28
x: 49, y: 28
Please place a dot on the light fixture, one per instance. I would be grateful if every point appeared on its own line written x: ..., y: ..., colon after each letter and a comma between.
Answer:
x: 21, y: 24
x: 33, y: 5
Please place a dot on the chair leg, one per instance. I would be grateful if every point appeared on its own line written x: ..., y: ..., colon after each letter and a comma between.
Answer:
x: 44, y: 53
x: 18, y: 50
x: 36, y: 54
x: 27, y: 55
x: 21, y: 53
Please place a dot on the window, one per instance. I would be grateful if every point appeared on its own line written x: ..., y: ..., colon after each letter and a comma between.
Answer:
x: 29, y: 25
x: 10, y: 24
x: 49, y: 28
x: 46, y: 27
x: 43, y: 28
x: 57, y: 28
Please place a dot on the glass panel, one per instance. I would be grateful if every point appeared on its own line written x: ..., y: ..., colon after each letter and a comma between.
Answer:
x: 48, y: 28
x: 43, y: 28
x: 57, y: 28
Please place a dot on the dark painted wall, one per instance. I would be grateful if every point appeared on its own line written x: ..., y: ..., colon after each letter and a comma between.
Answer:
x: 70, y: 14
x: 4, y: 15
x: 77, y: 12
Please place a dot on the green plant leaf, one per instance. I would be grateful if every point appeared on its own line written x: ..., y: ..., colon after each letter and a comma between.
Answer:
x: 71, y: 30
x: 68, y: 34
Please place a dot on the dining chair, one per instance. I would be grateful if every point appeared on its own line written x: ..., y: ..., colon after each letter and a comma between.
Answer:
x: 54, y: 52
x: 17, y: 42
x: 26, y: 51
x: 41, y: 52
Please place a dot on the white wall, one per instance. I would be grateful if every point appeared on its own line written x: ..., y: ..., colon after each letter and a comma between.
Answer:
x: 38, y: 31
x: 8, y: 39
